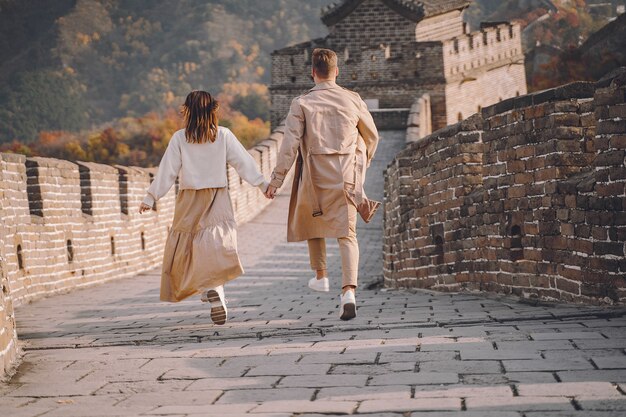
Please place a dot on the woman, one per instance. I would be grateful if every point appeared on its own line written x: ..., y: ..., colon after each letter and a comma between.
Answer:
x: 201, y: 248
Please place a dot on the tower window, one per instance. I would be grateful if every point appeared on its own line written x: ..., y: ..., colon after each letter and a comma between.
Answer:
x: 20, y: 257
x: 33, y: 190
x: 123, y: 190
x: 517, y: 250
x: 70, y: 251
x: 86, y: 202
x: 438, y: 250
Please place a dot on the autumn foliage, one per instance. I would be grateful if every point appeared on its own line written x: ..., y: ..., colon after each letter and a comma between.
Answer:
x: 77, y: 64
x: 138, y: 141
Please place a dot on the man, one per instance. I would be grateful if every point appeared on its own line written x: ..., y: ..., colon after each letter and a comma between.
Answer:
x: 331, y: 134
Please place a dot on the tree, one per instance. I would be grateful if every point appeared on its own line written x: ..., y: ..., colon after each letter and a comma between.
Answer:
x: 41, y: 100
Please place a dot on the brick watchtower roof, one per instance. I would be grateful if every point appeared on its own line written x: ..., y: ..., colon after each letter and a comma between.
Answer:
x: 412, y: 9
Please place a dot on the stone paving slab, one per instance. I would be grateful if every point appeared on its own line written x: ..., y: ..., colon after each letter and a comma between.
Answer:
x: 538, y: 403
x: 115, y: 350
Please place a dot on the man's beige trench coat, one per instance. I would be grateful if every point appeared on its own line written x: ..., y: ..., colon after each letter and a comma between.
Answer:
x: 332, y: 137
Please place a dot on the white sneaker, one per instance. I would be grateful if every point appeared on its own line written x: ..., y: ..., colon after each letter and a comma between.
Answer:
x: 347, y: 310
x: 219, y: 311
x: 319, y: 284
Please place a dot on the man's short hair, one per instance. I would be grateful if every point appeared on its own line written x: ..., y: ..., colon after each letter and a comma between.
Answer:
x: 324, y: 62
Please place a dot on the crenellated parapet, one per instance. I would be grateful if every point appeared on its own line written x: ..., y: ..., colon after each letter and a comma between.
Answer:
x: 67, y: 225
x: 482, y: 68
x: 70, y: 225
x: 367, y: 66
x: 391, y: 74
x: 493, y: 46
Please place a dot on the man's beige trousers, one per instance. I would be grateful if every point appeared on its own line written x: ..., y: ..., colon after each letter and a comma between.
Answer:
x: 348, y: 248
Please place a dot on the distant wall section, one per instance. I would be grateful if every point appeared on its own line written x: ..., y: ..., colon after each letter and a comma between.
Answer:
x: 482, y: 68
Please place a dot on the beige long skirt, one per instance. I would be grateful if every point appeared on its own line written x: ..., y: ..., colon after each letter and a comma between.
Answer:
x: 201, y: 247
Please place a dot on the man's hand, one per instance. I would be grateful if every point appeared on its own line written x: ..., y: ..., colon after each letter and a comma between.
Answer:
x: 143, y: 208
x: 270, y: 192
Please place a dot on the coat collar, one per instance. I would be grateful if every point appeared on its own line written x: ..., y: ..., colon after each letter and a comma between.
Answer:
x: 326, y: 85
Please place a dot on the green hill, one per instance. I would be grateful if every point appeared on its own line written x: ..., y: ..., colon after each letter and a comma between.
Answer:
x: 73, y: 64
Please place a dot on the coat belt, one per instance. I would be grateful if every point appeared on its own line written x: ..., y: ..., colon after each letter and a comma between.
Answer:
x: 360, y: 155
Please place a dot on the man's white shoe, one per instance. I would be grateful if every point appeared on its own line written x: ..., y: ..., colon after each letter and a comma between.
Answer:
x: 319, y: 284
x: 347, y: 310
x: 215, y: 296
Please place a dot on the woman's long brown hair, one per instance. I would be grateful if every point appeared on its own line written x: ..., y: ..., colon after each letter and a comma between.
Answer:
x: 200, y: 113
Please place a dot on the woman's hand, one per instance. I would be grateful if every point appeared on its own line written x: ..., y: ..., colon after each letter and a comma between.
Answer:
x: 270, y: 192
x: 143, y: 208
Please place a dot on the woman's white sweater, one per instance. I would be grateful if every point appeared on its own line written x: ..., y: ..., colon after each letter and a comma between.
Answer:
x: 203, y: 165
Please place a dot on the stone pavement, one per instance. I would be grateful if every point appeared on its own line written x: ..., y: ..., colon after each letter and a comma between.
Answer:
x: 115, y: 350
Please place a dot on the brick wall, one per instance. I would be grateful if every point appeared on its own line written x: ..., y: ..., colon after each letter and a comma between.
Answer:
x: 465, y: 98
x: 67, y: 226
x: 528, y: 197
x: 8, y: 335
x: 390, y: 119
x: 491, y: 46
x: 483, y: 68
x: 371, y: 23
x: 441, y: 27
x: 386, y: 74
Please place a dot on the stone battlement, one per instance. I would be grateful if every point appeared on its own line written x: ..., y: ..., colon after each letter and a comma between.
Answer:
x: 69, y: 225
x: 526, y: 197
x: 492, y: 46
x: 365, y: 67
x: 402, y: 56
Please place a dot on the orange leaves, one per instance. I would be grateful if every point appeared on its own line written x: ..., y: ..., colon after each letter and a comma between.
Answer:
x: 142, y: 140
x: 248, y: 128
x: 248, y: 131
x: 244, y: 89
x: 75, y: 151
x: 138, y: 141
x: 49, y: 138
x: 17, y: 147
x: 572, y: 19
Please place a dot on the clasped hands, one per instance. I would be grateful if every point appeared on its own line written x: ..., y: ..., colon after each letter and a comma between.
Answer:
x: 143, y: 207
x: 270, y: 192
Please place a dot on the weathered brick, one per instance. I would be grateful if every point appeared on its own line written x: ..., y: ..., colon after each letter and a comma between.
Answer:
x: 610, y: 158
x: 611, y: 126
x: 609, y: 248
x: 609, y: 96
x: 618, y: 141
x: 618, y: 111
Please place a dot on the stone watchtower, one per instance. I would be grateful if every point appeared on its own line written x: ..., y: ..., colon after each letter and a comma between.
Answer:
x: 395, y: 53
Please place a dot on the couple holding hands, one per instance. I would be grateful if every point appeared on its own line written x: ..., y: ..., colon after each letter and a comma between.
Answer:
x: 329, y: 134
